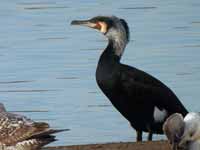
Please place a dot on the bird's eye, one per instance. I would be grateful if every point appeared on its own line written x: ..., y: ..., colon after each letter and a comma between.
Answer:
x: 191, y: 134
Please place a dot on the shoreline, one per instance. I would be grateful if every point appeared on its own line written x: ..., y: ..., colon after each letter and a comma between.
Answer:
x: 152, y: 145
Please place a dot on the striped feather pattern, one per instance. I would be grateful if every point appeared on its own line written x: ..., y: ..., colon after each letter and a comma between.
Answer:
x: 18, y: 132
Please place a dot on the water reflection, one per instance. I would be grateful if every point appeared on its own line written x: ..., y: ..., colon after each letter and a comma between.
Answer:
x: 44, y: 7
x: 41, y: 5
x: 52, y: 38
x: 138, y: 7
x: 11, y: 82
x: 27, y: 91
x: 28, y: 111
x: 99, y: 105
x: 68, y: 78
x: 196, y: 22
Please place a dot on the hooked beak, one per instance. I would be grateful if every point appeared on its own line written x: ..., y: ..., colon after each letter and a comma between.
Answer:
x: 86, y: 23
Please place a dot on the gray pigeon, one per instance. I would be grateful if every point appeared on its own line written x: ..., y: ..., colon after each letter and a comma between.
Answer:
x: 191, y: 135
x: 174, y: 128
x: 183, y: 134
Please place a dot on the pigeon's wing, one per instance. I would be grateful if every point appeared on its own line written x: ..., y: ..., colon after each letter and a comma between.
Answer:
x: 16, y: 128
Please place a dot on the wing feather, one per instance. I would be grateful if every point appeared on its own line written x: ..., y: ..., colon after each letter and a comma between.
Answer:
x: 136, y: 83
x: 18, y: 132
x: 16, y: 128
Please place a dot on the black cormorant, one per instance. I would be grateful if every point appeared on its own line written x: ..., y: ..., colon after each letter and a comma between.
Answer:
x: 18, y: 132
x: 142, y: 99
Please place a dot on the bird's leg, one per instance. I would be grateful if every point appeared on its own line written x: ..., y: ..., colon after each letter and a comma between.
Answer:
x: 139, y: 136
x: 150, y: 135
x: 174, y: 146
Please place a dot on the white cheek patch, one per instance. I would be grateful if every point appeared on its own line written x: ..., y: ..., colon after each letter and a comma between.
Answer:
x: 103, y: 27
x: 159, y: 115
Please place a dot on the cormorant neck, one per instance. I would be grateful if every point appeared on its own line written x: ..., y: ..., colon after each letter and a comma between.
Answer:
x: 110, y: 58
x: 108, y: 63
x: 117, y: 40
x: 110, y: 53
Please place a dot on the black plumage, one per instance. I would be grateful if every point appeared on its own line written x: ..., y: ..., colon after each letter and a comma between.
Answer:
x: 142, y: 99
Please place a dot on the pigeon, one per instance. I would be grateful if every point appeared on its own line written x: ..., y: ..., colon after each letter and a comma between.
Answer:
x: 17, y: 132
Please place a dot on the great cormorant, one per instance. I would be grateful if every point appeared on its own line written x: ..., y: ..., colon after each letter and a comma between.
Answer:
x: 18, y: 132
x: 142, y: 99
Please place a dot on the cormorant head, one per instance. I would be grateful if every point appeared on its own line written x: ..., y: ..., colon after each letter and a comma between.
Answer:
x: 114, y: 28
x: 106, y: 25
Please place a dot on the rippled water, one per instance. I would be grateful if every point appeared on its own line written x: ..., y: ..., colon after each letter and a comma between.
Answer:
x: 48, y: 67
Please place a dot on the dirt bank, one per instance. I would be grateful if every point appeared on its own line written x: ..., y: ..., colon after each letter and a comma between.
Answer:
x: 155, y: 145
